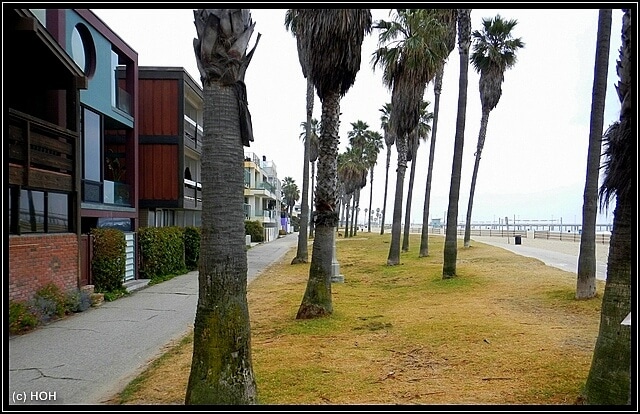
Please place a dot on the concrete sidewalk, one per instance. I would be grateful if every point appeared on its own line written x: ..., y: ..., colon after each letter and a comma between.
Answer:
x: 557, y: 253
x: 90, y: 356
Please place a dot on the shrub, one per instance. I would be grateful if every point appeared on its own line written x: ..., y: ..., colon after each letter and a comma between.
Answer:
x: 108, y: 264
x: 162, y: 251
x: 21, y: 317
x: 191, y: 247
x: 77, y: 301
x: 255, y: 230
x: 49, y: 303
x: 295, y: 223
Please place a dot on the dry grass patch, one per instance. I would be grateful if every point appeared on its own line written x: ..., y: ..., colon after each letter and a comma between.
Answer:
x: 506, y: 330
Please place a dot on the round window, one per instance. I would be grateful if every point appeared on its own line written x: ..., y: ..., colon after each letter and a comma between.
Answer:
x: 83, y: 50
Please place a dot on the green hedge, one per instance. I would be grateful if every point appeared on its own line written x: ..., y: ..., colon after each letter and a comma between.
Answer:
x: 255, y: 230
x: 162, y: 251
x: 108, y: 264
x: 191, y: 247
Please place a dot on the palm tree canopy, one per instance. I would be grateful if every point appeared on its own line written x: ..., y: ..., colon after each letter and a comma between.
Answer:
x: 331, y: 41
x: 221, y: 45
x: 314, y: 142
x: 372, y: 148
x: 411, y: 48
x: 494, y: 51
x: 389, y: 138
x: 423, y: 129
x: 290, y: 192
x: 291, y: 24
x: 352, y: 171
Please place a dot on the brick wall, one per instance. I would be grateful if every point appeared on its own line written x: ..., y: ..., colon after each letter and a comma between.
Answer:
x: 35, y: 260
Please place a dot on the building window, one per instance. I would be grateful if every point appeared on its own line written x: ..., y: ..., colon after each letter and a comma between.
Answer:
x: 83, y: 51
x: 34, y: 211
x: 92, y: 156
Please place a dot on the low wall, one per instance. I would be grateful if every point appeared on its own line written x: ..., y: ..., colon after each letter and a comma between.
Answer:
x: 36, y: 260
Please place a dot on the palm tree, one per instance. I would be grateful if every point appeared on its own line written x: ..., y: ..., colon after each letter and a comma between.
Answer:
x: 291, y: 23
x: 388, y: 140
x: 331, y: 40
x: 358, y: 138
x: 494, y: 51
x: 221, y: 367
x: 372, y: 148
x: 415, y: 40
x: 422, y: 130
x: 586, y: 280
x: 450, y: 21
x: 352, y: 173
x: 290, y: 194
x: 451, y: 237
x: 609, y: 381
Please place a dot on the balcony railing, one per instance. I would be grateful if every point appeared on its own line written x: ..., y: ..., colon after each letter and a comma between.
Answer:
x: 192, y: 194
x: 266, y: 186
x: 116, y: 193
x: 192, y: 134
x: 123, y: 101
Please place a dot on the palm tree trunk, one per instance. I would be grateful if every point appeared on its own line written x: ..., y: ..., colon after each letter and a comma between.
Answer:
x: 586, y: 278
x: 610, y: 374
x: 317, y: 297
x: 424, y: 236
x: 386, y: 185
x: 481, y: 137
x: 370, y: 201
x: 451, y: 237
x: 412, y: 174
x: 312, y: 203
x: 221, y: 370
x: 394, y: 248
x: 303, y: 253
x: 356, y: 208
x: 346, y: 217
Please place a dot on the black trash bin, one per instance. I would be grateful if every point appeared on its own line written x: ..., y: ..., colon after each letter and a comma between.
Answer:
x: 518, y: 239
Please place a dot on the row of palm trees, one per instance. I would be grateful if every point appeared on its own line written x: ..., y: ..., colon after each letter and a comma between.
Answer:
x: 412, y: 50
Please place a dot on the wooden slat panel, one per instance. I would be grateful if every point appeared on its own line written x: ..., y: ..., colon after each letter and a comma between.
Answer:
x: 51, y: 143
x: 50, y: 180
x: 48, y: 160
x: 16, y: 174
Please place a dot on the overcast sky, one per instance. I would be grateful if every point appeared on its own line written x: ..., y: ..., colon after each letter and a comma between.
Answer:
x: 533, y: 164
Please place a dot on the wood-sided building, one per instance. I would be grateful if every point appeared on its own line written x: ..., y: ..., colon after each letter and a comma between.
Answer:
x: 170, y: 137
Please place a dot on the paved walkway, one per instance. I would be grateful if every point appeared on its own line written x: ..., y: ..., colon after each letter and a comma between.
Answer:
x: 557, y: 253
x: 90, y: 356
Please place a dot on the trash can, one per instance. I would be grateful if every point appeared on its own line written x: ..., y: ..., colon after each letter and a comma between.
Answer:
x: 518, y: 239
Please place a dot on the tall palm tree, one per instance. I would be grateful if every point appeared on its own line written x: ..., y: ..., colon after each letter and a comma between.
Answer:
x: 302, y: 254
x: 372, y: 148
x: 450, y: 253
x: 221, y: 367
x: 609, y: 381
x: 352, y: 173
x: 331, y: 40
x: 358, y: 137
x: 421, y: 131
x: 586, y: 280
x: 388, y: 140
x: 449, y: 20
x: 494, y: 51
x: 290, y: 194
x: 409, y: 48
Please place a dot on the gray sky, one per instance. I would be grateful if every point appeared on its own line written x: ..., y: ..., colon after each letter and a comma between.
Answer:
x: 533, y: 164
